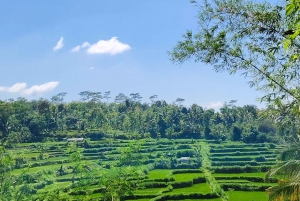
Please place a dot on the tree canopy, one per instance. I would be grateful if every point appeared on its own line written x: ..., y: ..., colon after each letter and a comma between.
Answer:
x: 259, y: 40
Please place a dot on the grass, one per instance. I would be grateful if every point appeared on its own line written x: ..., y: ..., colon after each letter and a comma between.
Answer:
x: 251, y: 174
x: 216, y: 199
x: 55, y: 185
x: 246, y: 196
x: 159, y: 174
x: 197, y: 188
x: 149, y: 191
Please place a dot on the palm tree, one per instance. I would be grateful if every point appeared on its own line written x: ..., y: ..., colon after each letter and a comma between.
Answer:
x: 288, y: 188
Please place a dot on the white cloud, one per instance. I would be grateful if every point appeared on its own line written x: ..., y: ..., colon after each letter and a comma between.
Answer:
x: 112, y: 46
x: 76, y: 49
x: 215, y: 105
x: 49, y: 86
x: 18, y: 87
x: 92, y: 68
x: 85, y: 44
x: 36, y: 89
x: 59, y: 44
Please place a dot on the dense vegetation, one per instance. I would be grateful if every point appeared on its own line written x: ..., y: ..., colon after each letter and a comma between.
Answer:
x: 261, y: 41
x: 146, y: 169
x: 128, y: 118
x: 124, y: 153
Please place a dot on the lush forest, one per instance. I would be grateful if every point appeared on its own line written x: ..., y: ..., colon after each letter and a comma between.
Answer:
x: 128, y: 118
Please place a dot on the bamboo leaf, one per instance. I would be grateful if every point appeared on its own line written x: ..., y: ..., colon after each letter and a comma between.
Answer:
x: 290, y: 8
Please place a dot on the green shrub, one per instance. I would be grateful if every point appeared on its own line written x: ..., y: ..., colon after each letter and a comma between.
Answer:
x: 235, y: 163
x: 187, y: 171
x: 154, y: 184
x: 260, y: 159
x: 237, y: 169
x: 199, y: 180
x: 184, y: 165
x: 185, y: 153
x: 184, y: 196
x: 182, y: 184
x: 184, y: 146
x: 243, y: 187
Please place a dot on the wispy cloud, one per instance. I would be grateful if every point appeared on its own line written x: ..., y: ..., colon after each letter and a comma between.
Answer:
x: 85, y: 44
x: 78, y: 47
x: 92, y: 68
x: 36, y: 89
x: 18, y: 87
x: 112, y: 47
x: 75, y: 49
x: 215, y: 105
x: 59, y: 44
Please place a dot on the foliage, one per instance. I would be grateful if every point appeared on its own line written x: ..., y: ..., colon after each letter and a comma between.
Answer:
x: 13, y: 187
x: 261, y: 41
x: 36, y: 121
x: 116, y: 182
x: 243, y: 36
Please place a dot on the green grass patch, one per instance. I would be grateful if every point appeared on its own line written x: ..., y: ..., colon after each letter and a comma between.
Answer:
x: 148, y: 191
x: 197, y: 188
x: 246, y: 196
x: 55, y: 185
x: 159, y: 174
x: 217, y: 199
x: 251, y: 174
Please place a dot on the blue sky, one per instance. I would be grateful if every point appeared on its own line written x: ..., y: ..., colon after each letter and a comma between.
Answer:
x: 48, y: 47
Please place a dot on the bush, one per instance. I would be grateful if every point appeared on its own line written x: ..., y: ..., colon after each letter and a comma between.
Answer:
x: 272, y: 146
x: 235, y: 163
x: 181, y: 196
x: 182, y: 184
x: 243, y: 187
x: 253, y: 179
x: 260, y: 159
x: 187, y: 171
x: 184, y: 146
x: 184, y: 165
x: 247, y: 158
x: 185, y: 153
x: 168, y: 179
x: 237, y: 169
x: 199, y: 180
x: 154, y: 184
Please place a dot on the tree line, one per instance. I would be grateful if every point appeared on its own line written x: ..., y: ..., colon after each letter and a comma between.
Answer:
x: 128, y: 118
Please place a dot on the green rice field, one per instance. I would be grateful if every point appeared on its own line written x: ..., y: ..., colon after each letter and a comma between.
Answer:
x: 241, y: 177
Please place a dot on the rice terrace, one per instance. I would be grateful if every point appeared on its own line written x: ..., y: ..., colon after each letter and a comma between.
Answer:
x: 213, y: 169
x: 100, y: 101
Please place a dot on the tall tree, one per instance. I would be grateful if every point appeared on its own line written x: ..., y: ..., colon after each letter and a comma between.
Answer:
x: 59, y: 98
x: 152, y: 98
x: 6, y: 111
x: 136, y: 97
x: 120, y: 98
x: 106, y: 96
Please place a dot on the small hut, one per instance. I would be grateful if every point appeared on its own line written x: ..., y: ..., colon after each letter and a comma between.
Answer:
x: 75, y: 139
x: 185, y: 159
